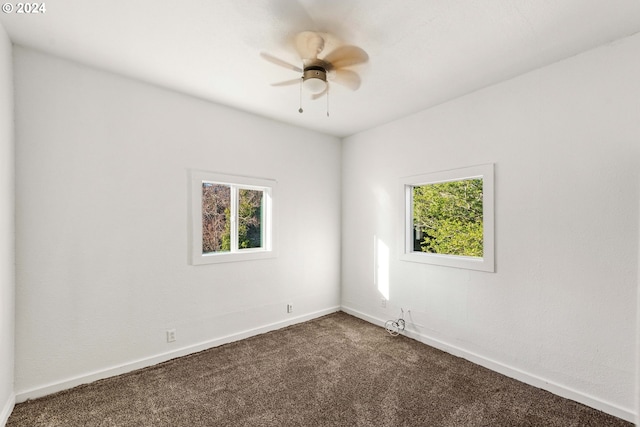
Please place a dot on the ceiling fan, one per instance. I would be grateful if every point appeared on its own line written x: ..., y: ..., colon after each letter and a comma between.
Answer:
x: 318, y: 69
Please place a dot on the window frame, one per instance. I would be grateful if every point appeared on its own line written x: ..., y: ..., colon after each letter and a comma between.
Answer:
x: 268, y: 248
x: 487, y: 261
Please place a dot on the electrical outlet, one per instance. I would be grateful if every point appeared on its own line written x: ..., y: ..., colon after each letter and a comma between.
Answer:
x: 171, y: 335
x: 289, y: 308
x: 383, y: 302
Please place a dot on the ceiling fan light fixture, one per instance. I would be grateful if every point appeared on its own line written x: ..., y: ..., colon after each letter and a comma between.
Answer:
x: 314, y: 79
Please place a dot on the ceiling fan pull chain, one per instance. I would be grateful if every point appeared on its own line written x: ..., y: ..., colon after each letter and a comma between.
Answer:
x: 328, y: 101
x: 300, y: 110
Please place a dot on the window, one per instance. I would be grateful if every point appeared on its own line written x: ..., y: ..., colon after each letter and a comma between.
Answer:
x: 231, y: 218
x: 448, y: 218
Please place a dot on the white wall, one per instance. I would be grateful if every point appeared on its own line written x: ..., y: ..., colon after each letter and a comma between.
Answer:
x: 560, y: 310
x: 7, y: 230
x: 637, y: 421
x: 101, y: 205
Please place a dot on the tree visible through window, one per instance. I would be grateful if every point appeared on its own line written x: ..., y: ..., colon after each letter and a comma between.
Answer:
x: 219, y: 213
x: 231, y: 218
x: 250, y: 219
x: 216, y: 218
x: 447, y: 218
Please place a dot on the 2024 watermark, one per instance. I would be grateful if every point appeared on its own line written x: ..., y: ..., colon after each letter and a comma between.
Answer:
x: 24, y: 8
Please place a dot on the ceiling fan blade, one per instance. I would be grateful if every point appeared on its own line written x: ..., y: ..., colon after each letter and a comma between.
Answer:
x: 347, y: 78
x: 287, y: 82
x: 280, y: 62
x: 344, y: 56
x: 309, y: 44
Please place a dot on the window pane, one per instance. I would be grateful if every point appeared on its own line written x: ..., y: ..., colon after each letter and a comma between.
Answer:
x: 250, y: 219
x: 448, y: 218
x: 216, y: 218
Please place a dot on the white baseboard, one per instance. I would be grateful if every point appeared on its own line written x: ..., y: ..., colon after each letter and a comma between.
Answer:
x: 7, y: 409
x: 163, y: 357
x: 525, y: 377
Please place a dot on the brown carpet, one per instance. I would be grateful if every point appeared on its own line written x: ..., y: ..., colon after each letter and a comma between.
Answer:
x: 333, y: 371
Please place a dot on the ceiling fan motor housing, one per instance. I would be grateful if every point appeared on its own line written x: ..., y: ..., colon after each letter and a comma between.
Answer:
x: 314, y: 72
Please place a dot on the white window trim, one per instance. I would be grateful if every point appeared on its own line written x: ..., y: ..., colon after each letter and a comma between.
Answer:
x: 268, y: 186
x: 487, y: 262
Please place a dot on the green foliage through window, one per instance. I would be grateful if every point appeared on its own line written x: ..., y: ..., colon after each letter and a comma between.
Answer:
x: 217, y: 214
x: 250, y: 219
x: 216, y: 218
x: 448, y: 218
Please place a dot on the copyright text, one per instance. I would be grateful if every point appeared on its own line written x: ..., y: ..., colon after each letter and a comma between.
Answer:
x: 24, y: 8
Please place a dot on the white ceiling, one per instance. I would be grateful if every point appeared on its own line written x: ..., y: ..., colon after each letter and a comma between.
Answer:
x: 422, y: 52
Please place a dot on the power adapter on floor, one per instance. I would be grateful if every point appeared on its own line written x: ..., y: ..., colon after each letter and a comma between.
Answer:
x: 394, y: 327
